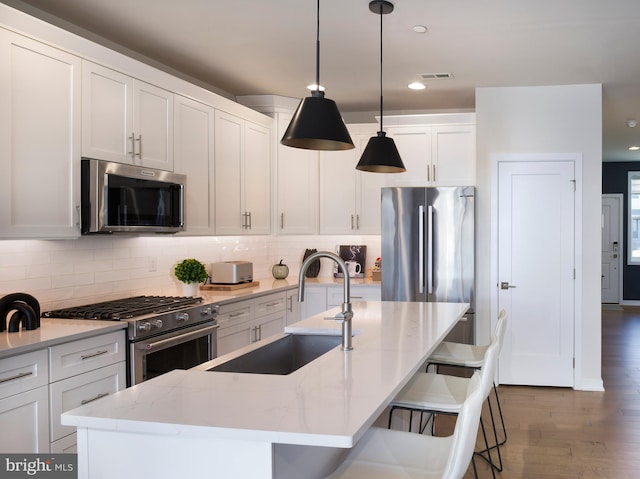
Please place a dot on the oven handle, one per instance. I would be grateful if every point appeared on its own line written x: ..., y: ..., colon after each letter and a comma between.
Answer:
x: 181, y: 338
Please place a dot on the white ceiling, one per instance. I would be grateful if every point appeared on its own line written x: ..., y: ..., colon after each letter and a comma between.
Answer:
x: 246, y: 47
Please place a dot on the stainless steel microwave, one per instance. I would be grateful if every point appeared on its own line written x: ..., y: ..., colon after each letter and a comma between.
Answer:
x: 119, y: 198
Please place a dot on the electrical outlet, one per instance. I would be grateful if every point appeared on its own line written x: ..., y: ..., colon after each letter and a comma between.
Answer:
x: 153, y: 265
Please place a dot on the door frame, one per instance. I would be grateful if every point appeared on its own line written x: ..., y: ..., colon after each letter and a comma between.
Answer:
x: 622, y: 257
x: 577, y: 160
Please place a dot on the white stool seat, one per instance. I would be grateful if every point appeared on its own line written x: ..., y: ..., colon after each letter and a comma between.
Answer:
x: 389, y: 454
x: 430, y: 391
x: 458, y: 354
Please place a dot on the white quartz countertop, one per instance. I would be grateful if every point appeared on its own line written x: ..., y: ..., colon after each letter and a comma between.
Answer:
x: 52, y: 332
x: 329, y: 402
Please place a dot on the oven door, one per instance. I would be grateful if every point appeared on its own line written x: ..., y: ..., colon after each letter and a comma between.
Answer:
x: 182, y: 349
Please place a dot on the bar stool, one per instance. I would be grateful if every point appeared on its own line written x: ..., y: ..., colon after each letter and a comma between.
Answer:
x: 472, y: 357
x: 443, y: 394
x: 391, y: 454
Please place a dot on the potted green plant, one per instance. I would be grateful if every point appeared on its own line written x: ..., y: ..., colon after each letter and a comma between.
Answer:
x: 190, y: 272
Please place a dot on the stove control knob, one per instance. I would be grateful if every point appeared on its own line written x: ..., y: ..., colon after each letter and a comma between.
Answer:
x: 180, y: 317
x: 156, y: 324
x: 206, y: 311
x: 144, y: 327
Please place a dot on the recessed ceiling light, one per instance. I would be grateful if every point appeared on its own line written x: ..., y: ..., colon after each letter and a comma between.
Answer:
x: 632, y: 123
x: 420, y: 29
x: 417, y: 85
x: 634, y: 148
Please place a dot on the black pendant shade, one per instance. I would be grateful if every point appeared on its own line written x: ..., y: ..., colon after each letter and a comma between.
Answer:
x: 381, y: 154
x: 317, y: 125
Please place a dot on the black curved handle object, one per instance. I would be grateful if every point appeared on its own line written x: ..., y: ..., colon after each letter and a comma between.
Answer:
x: 7, y: 304
x: 23, y: 314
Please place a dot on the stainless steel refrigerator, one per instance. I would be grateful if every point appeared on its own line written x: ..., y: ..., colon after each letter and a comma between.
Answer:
x: 428, y: 248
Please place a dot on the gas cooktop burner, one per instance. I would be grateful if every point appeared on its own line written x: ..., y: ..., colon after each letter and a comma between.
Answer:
x: 121, y: 309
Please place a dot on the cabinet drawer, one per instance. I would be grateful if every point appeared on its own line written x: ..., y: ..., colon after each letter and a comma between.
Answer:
x: 82, y: 389
x: 236, y: 312
x: 269, y: 304
x: 78, y: 357
x: 66, y: 445
x: 24, y: 372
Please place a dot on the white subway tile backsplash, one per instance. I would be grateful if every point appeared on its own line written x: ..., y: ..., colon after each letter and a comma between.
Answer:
x: 100, y: 268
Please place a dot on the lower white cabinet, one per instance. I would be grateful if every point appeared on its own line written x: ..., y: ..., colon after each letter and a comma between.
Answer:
x: 319, y: 298
x: 250, y: 320
x: 294, y: 307
x: 37, y: 387
x: 24, y: 422
x: 82, y: 389
x: 24, y: 403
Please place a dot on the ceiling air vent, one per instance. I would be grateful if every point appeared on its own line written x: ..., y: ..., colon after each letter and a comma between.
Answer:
x: 436, y: 76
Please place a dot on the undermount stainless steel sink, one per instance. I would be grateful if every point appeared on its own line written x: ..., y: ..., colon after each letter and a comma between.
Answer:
x: 282, y: 356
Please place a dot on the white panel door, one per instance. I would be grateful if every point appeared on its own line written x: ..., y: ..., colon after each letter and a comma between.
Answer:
x: 229, y: 151
x: 153, y: 126
x: 536, y: 271
x: 256, y: 178
x: 611, y: 247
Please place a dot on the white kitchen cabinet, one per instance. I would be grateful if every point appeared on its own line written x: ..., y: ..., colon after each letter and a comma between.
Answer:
x: 296, y: 185
x: 349, y: 199
x: 294, y: 307
x: 193, y: 156
x: 320, y: 298
x: 435, y: 155
x: 81, y: 372
x: 242, y: 176
x: 82, y: 389
x: 39, y: 139
x: 24, y: 403
x: 315, y: 301
x: 125, y: 120
x: 24, y: 421
x: 247, y: 321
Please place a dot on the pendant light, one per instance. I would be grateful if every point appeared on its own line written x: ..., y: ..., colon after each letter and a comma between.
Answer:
x: 317, y: 123
x: 381, y: 154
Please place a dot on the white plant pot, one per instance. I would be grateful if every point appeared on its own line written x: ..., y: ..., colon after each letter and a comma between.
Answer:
x: 190, y: 289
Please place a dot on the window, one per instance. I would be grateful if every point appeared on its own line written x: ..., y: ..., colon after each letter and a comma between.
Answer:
x: 634, y: 218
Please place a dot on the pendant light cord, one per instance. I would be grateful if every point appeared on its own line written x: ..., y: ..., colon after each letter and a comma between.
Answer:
x: 318, y: 47
x: 381, y: 130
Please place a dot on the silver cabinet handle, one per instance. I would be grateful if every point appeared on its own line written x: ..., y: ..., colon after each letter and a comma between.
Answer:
x: 434, y: 173
x: 99, y: 396
x: 506, y: 285
x: 358, y: 222
x: 430, y: 249
x: 97, y: 353
x: 421, y: 248
x: 352, y: 222
x: 281, y: 221
x: 133, y: 146
x: 17, y: 376
x: 139, y: 140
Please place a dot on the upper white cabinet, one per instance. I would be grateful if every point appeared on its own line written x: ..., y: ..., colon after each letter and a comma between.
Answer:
x: 193, y: 156
x: 242, y: 175
x: 125, y: 120
x: 349, y: 199
x: 297, y: 185
x: 435, y: 154
x: 39, y: 139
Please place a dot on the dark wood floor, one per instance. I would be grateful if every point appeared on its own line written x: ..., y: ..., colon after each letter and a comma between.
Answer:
x: 558, y: 433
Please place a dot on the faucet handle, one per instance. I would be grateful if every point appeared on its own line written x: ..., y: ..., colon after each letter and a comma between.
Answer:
x: 338, y: 317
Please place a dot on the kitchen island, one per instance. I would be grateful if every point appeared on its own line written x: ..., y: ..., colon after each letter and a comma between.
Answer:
x: 198, y: 423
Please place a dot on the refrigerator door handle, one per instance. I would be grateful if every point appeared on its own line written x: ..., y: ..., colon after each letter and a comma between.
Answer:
x: 421, y: 249
x: 430, y: 250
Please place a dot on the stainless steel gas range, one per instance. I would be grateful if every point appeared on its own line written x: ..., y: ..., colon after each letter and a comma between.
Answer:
x: 164, y: 332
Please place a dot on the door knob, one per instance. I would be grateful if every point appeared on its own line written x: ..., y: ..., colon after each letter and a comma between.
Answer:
x: 506, y: 285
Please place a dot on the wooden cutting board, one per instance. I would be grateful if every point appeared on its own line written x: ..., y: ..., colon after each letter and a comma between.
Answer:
x: 228, y: 287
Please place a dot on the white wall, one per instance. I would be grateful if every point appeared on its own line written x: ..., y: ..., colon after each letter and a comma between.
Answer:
x: 553, y: 119
x: 99, y: 268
